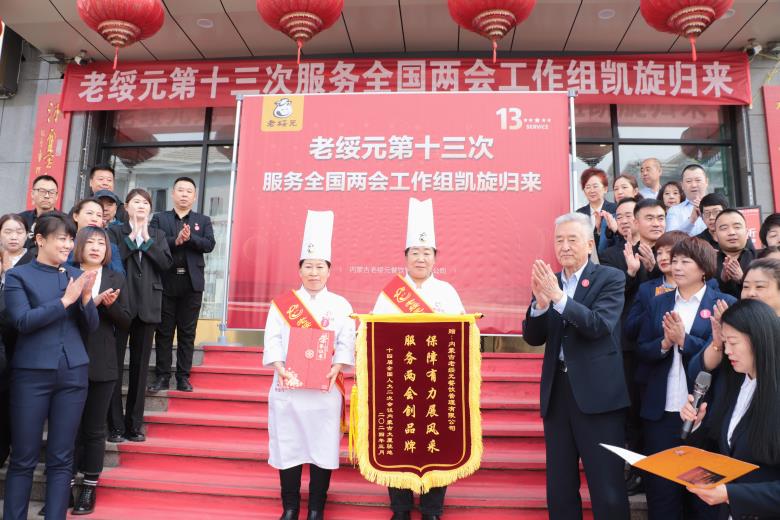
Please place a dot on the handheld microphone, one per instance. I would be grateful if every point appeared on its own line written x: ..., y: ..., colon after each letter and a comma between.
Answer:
x: 700, y: 388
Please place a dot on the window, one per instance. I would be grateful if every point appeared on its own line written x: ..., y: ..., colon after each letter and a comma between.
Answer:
x: 149, y: 149
x: 617, y: 138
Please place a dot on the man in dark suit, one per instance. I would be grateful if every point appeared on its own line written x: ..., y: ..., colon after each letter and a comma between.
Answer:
x: 45, y: 193
x: 577, y: 314
x: 734, y: 251
x: 638, y: 262
x: 189, y: 235
x: 103, y: 178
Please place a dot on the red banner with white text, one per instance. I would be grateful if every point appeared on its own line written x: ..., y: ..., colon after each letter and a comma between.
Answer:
x: 495, y: 165
x: 715, y: 79
x: 50, y: 144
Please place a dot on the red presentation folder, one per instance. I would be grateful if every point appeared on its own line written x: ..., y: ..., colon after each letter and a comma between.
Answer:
x: 309, y: 356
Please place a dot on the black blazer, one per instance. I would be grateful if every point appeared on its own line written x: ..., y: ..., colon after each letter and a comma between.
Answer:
x: 144, y: 274
x: 101, y: 344
x: 755, y: 496
x: 201, y: 241
x: 589, y: 330
x: 613, y: 256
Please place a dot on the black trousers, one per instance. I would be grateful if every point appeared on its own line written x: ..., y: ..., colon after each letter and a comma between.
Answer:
x: 38, y: 396
x: 180, y: 311
x: 91, y: 440
x: 431, y: 503
x: 140, y: 335
x: 5, y: 420
x: 668, y: 500
x: 319, y: 482
x: 571, y: 435
x: 634, y: 429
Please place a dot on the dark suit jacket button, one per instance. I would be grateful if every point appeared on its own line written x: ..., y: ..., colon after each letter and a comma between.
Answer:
x: 139, y: 275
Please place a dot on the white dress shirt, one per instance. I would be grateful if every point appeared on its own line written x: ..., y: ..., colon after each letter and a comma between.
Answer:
x: 678, y: 218
x: 676, y: 382
x: 569, y: 285
x: 744, y: 399
x: 98, y: 281
x: 648, y: 193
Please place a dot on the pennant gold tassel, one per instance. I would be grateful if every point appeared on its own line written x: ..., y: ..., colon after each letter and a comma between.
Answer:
x: 353, y: 424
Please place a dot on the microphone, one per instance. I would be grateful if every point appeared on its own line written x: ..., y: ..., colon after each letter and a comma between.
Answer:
x: 700, y: 388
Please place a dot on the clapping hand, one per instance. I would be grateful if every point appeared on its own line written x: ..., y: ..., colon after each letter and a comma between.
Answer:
x: 647, y: 257
x: 546, y: 282
x: 731, y: 270
x: 89, y: 282
x: 674, y: 331
x: 73, y: 291
x: 184, y: 235
x: 107, y: 297
x: 633, y: 262
x: 611, y: 222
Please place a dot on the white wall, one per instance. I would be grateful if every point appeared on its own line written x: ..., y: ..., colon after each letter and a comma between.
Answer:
x: 761, y: 74
x: 17, y: 124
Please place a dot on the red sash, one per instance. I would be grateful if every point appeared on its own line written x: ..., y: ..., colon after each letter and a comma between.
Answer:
x: 296, y: 314
x: 405, y: 297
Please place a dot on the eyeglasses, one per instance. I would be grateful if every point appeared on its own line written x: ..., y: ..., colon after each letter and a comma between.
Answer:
x: 45, y: 193
x: 589, y: 187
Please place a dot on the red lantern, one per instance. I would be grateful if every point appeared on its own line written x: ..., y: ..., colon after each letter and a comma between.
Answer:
x: 492, y: 19
x: 688, y: 18
x: 301, y: 20
x: 122, y: 22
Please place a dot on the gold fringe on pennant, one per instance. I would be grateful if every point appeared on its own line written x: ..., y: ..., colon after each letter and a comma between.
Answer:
x: 408, y: 480
x: 353, y: 424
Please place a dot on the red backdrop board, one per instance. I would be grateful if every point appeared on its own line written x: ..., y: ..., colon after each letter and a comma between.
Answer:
x: 772, y: 111
x: 50, y: 143
x: 717, y: 78
x: 753, y: 217
x: 495, y: 165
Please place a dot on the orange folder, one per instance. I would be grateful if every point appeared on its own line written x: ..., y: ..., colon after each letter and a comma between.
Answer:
x: 687, y: 465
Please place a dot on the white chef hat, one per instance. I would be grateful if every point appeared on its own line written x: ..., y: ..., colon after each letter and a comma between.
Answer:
x: 317, y: 236
x: 419, y: 227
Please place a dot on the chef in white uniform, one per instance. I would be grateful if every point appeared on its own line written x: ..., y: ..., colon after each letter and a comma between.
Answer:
x: 441, y: 297
x: 304, y: 426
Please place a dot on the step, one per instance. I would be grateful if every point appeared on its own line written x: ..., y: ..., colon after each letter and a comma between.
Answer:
x: 134, y: 504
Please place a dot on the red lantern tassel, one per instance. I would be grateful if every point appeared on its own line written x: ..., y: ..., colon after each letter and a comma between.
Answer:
x: 300, y: 45
x: 116, y: 56
x: 495, y: 47
x: 692, y: 39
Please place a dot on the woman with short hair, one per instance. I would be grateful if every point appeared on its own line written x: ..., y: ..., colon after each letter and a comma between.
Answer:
x: 93, y: 254
x: 676, y: 328
x: 50, y: 303
x: 595, y: 185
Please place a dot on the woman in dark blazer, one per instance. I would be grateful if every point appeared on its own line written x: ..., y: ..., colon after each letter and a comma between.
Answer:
x: 13, y: 235
x: 676, y: 328
x: 50, y: 304
x: 93, y: 254
x: 743, y: 421
x: 595, y: 185
x: 145, y: 255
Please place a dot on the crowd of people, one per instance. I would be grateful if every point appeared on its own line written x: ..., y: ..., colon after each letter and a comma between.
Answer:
x: 75, y: 290
x: 656, y: 286
x: 661, y: 284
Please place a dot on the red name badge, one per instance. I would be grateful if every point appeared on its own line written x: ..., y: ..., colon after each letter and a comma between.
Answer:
x: 309, y: 356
